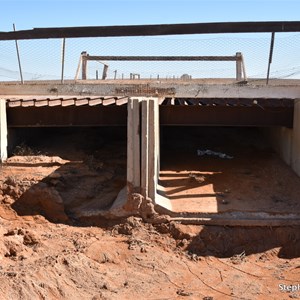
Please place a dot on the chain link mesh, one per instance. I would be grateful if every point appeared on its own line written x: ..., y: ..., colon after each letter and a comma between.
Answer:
x: 42, y: 59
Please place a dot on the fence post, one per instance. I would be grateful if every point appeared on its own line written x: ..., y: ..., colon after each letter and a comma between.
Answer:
x: 63, y: 59
x: 238, y: 66
x: 270, y: 55
x: 84, y: 65
x: 19, y: 60
x: 104, y: 74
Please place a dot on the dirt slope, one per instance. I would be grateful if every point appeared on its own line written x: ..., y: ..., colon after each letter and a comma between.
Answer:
x: 48, y: 252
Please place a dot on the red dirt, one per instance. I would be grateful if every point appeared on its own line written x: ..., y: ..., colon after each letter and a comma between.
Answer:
x: 48, y: 252
x: 254, y: 180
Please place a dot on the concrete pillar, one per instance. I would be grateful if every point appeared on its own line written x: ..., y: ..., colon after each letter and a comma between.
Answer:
x: 153, y: 146
x: 295, y: 162
x: 133, y: 146
x: 150, y: 147
x: 144, y: 147
x: 3, y: 131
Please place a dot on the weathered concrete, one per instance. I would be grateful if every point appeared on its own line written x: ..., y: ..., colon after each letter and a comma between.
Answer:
x: 133, y: 145
x: 150, y: 147
x: 3, y: 131
x: 286, y: 141
x: 156, y: 88
x: 295, y: 160
x: 281, y: 139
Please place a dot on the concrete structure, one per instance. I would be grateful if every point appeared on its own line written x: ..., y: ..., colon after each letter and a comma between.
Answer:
x: 295, y: 159
x: 286, y: 141
x: 150, y: 147
x: 133, y: 146
x: 143, y: 123
x: 143, y: 146
x: 144, y: 97
x: 3, y: 131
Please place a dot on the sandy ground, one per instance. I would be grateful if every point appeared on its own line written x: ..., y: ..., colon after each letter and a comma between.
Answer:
x: 235, y: 171
x: 47, y: 251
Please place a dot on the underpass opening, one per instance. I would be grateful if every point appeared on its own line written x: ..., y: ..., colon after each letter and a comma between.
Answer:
x: 234, y: 171
x: 72, y: 172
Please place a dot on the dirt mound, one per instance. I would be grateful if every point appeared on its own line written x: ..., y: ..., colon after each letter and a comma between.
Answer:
x: 49, y: 251
x: 42, y: 200
x: 128, y: 258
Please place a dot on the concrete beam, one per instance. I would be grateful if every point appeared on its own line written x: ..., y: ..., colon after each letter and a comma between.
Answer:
x: 152, y: 88
x: 3, y: 131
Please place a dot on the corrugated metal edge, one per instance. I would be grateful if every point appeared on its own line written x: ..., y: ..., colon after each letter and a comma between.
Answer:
x: 41, y: 101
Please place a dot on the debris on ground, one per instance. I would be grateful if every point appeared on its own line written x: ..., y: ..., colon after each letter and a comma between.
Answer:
x: 213, y: 153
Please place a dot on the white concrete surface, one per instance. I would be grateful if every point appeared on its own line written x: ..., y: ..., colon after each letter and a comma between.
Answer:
x: 286, y: 141
x: 133, y: 143
x: 295, y: 161
x: 144, y: 147
x: 3, y: 131
x: 281, y: 139
x: 149, y: 147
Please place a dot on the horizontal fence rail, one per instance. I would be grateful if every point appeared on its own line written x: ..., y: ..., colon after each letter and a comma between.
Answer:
x: 163, y: 58
x: 150, y: 30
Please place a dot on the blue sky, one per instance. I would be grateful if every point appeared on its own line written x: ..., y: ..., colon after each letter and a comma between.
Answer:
x: 56, y: 13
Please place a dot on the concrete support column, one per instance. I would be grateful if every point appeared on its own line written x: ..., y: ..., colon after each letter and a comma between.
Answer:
x: 133, y: 146
x: 3, y: 131
x: 295, y: 162
x: 149, y: 147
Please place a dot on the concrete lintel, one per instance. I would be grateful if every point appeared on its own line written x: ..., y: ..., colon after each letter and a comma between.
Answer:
x: 3, y: 131
x: 153, y: 88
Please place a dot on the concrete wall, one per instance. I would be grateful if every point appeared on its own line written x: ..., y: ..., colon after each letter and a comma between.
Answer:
x: 3, y: 131
x: 286, y: 141
x: 281, y: 139
x: 295, y: 157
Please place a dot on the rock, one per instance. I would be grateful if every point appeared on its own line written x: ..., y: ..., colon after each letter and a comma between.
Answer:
x: 30, y: 239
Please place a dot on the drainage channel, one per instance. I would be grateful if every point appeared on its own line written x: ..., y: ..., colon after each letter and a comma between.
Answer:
x: 226, y: 176
x: 67, y: 173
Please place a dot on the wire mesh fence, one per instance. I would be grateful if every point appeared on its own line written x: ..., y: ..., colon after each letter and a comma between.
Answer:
x: 45, y: 60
